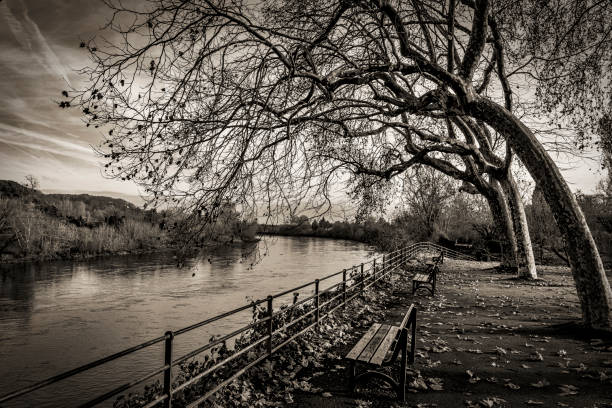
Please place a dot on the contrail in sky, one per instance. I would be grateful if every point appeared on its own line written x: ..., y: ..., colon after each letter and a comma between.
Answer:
x: 30, y: 37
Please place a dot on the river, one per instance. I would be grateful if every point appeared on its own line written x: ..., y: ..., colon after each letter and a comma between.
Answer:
x: 58, y: 315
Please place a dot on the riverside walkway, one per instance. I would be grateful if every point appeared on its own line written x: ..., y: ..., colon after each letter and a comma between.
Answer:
x: 278, y: 320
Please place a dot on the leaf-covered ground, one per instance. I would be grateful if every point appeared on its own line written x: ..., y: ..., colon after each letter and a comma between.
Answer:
x: 484, y: 340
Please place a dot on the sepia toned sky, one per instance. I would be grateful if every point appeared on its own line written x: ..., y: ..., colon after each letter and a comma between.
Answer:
x: 39, y: 53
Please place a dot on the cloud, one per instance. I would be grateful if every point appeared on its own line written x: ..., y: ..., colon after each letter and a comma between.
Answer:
x: 50, y: 143
x: 29, y: 36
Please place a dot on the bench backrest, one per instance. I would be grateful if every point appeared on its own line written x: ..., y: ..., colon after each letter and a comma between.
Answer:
x: 408, y: 320
x: 407, y: 317
x: 439, y: 260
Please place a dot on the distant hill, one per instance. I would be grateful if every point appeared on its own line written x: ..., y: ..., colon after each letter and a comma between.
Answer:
x: 12, y: 189
x: 131, y: 198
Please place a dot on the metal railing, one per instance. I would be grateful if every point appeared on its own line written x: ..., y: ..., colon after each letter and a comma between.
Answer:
x: 315, y: 308
x: 435, y: 249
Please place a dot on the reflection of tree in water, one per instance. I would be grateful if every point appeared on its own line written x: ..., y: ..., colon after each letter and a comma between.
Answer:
x: 17, y: 293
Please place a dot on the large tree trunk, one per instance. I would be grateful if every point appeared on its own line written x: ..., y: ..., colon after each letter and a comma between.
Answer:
x: 526, y: 260
x: 503, y: 220
x: 592, y: 285
x: 500, y: 211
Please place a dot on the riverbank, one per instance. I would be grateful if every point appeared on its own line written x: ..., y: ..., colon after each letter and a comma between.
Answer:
x: 379, y: 233
x: 485, y: 340
x: 171, y: 250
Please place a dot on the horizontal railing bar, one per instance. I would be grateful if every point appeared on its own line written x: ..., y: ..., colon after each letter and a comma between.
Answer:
x: 332, y: 287
x: 277, y: 295
x: 219, y: 364
x: 328, y: 301
x: 156, y: 401
x: 227, y: 381
x: 331, y: 275
x: 123, y: 387
x: 298, y: 303
x: 219, y: 341
x: 292, y: 322
x: 293, y: 337
x: 218, y: 317
x: 80, y: 369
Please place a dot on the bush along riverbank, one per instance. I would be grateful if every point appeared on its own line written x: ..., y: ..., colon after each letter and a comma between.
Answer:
x: 36, y: 226
x: 379, y: 233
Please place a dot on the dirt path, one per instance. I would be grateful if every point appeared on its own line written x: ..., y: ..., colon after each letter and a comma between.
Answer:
x: 484, y: 340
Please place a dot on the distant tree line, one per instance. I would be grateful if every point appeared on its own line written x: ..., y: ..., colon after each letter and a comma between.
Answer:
x: 462, y: 221
x: 35, y: 226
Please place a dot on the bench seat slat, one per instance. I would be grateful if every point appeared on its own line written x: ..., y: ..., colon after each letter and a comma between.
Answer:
x: 363, y: 342
x: 374, y: 344
x: 385, y: 345
x: 421, y: 277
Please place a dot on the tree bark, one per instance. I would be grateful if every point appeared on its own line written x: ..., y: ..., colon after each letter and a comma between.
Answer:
x: 503, y: 220
x: 588, y: 272
x: 526, y: 260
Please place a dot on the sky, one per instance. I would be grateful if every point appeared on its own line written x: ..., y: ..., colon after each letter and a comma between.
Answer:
x: 39, y: 56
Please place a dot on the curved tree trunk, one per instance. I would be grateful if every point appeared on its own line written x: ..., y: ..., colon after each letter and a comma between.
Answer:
x: 503, y: 220
x: 592, y: 285
x: 526, y: 260
x: 500, y: 211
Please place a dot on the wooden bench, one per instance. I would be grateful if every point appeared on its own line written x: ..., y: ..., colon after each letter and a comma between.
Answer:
x: 378, y: 342
x: 438, y: 260
x: 428, y: 278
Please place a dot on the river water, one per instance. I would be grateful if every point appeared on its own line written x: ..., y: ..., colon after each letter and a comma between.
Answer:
x: 55, y: 316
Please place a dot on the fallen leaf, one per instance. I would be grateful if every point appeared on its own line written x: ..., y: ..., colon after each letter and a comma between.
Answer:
x: 500, y: 351
x: 435, y: 384
x: 512, y: 386
x: 540, y: 384
x: 567, y: 389
x: 536, y: 356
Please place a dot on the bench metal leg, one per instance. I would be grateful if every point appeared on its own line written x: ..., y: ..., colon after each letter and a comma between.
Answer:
x: 352, y: 371
x: 433, y: 284
x: 413, y: 340
x: 429, y: 286
x: 401, y: 390
x: 377, y: 374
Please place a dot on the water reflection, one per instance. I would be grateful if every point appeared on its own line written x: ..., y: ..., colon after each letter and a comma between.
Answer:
x: 58, y: 315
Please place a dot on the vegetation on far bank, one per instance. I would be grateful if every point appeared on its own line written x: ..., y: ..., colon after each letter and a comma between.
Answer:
x: 462, y: 222
x: 38, y: 226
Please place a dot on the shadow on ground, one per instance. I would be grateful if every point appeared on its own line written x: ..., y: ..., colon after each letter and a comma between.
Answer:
x: 484, y: 340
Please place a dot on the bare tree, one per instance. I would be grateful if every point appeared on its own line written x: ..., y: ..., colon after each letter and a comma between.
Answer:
x: 255, y: 102
x: 427, y: 193
x: 31, y: 182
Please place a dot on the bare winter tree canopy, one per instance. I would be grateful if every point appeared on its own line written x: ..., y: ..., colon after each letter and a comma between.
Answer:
x: 271, y: 102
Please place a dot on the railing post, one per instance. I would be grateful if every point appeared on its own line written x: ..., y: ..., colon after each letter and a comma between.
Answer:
x: 270, y: 325
x: 168, y: 371
x: 384, y: 265
x: 317, y: 302
x: 362, y: 278
x: 344, y: 288
x: 374, y: 271
x: 374, y: 265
